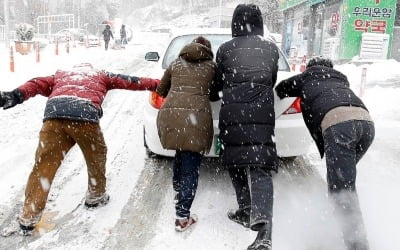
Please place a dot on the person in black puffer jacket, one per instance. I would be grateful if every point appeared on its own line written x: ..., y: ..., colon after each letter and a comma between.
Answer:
x: 343, y: 130
x: 247, y: 67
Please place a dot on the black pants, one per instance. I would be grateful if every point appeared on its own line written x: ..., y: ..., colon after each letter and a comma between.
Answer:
x: 106, y: 42
x: 185, y: 179
x: 345, y: 144
x: 254, y: 192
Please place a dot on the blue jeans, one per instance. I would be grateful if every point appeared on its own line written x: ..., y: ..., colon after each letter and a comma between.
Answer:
x: 185, y: 179
x: 254, y: 193
x: 345, y: 144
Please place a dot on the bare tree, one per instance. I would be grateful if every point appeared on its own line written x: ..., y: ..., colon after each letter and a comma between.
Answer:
x: 271, y: 13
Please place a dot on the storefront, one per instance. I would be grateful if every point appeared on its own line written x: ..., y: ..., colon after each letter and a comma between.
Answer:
x: 396, y: 34
x: 295, y: 27
x: 326, y: 28
x: 334, y: 28
x: 374, y: 16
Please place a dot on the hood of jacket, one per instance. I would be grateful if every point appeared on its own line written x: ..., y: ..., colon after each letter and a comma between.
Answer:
x: 247, y: 20
x: 195, y: 52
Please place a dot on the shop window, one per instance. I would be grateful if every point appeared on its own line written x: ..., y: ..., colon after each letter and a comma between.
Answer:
x: 397, y: 18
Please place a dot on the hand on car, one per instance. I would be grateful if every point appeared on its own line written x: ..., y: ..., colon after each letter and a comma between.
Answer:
x: 10, y: 99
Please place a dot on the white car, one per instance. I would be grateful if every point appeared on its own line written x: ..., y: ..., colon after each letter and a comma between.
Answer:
x: 291, y: 135
x: 93, y: 41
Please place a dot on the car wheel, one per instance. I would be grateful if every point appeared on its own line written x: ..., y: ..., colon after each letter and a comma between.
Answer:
x: 288, y: 159
x: 297, y: 165
x: 149, y: 153
x: 286, y: 163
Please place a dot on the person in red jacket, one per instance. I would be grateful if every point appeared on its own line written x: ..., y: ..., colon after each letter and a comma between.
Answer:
x: 71, y: 116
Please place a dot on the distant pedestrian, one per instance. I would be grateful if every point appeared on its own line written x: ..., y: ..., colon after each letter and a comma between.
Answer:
x: 122, y: 33
x: 71, y: 116
x: 107, y: 35
x: 342, y: 128
x: 185, y: 121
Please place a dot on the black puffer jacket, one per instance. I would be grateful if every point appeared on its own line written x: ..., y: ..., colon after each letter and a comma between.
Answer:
x: 247, y: 69
x: 321, y: 89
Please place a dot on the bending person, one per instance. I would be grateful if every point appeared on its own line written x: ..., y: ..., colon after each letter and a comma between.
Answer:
x: 342, y: 128
x: 71, y: 116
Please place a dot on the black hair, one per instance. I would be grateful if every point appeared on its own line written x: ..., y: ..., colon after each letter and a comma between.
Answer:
x: 247, y: 20
x: 320, y: 61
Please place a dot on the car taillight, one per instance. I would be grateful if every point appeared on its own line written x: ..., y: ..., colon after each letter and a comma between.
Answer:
x: 294, y: 108
x: 156, y: 100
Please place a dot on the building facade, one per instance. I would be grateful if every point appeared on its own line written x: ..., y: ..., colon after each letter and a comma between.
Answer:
x: 336, y: 28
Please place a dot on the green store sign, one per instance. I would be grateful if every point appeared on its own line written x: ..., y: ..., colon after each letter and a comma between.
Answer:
x: 375, y: 16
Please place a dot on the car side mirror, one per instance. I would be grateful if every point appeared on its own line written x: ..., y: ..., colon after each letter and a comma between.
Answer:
x: 152, y: 56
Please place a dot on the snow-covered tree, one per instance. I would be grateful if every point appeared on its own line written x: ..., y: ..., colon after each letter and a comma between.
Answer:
x: 271, y: 14
x: 98, y: 11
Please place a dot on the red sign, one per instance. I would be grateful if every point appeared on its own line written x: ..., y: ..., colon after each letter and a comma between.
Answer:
x: 335, y: 21
x: 374, y: 26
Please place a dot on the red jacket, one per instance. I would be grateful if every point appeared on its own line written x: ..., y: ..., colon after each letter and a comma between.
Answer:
x: 79, y: 95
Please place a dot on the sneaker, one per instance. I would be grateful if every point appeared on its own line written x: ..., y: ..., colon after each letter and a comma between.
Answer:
x: 181, y: 224
x: 240, y: 216
x: 97, y: 201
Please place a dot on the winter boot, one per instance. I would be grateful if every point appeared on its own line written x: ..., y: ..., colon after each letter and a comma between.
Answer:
x: 181, y: 224
x: 92, y: 202
x: 262, y: 241
x: 17, y: 228
x: 26, y: 231
x: 240, y: 216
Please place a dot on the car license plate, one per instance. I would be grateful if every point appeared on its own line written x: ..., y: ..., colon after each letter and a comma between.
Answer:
x: 217, y: 145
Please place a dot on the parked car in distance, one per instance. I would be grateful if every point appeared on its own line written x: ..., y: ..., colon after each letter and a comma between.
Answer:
x: 77, y: 36
x: 92, y: 41
x: 291, y: 135
x: 74, y: 34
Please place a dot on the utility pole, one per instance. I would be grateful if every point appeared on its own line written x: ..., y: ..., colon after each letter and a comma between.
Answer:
x: 220, y: 13
x: 6, y: 24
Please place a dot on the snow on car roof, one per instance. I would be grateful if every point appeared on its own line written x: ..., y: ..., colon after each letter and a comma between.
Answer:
x: 204, y: 31
x: 184, y: 31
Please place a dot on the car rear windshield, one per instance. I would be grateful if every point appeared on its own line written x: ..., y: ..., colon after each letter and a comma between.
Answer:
x: 216, y: 40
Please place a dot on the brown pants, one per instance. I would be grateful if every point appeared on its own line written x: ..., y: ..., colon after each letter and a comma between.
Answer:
x: 57, y: 137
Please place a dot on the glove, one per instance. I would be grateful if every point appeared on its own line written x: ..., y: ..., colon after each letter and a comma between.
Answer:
x: 10, y: 99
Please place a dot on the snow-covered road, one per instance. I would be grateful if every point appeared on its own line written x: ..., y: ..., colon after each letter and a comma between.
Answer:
x: 140, y: 214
